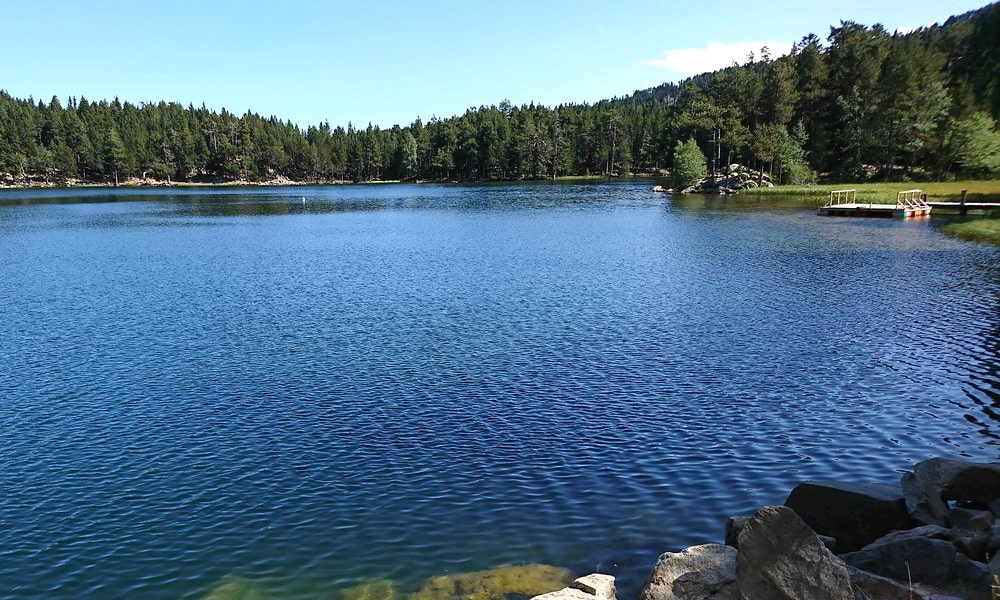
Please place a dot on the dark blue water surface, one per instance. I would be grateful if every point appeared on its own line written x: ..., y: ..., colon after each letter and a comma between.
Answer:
x: 311, y: 387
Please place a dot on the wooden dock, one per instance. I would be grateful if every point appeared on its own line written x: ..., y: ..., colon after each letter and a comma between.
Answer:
x: 843, y: 203
x: 963, y: 207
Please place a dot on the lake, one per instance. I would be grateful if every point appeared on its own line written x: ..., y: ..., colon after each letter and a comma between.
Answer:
x: 312, y: 387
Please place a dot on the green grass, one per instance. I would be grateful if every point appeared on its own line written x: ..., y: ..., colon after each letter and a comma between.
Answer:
x: 981, y: 230
x: 885, y: 193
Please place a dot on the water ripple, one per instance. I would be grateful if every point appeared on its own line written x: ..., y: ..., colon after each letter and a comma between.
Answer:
x: 397, y: 382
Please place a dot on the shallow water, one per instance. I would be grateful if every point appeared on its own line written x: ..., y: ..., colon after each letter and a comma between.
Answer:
x: 313, y: 387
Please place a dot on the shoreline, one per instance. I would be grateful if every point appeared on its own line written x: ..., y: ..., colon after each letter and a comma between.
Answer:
x: 149, y: 182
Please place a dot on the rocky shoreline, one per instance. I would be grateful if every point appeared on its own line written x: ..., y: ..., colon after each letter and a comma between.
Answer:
x: 935, y: 536
x: 932, y: 537
x: 736, y: 178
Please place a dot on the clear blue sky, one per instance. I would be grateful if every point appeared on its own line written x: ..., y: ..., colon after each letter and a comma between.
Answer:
x: 389, y: 62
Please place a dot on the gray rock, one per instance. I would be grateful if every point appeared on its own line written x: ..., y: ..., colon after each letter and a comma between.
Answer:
x: 960, y: 517
x: 907, y: 558
x: 994, y: 506
x: 781, y: 558
x: 993, y: 541
x: 972, y: 572
x: 869, y: 586
x: 923, y: 501
x: 970, y: 543
x: 958, y: 480
x: 734, y: 525
x: 697, y: 573
x: 981, y: 521
x: 934, y: 532
x: 596, y: 585
x: 856, y: 514
x: 970, y: 519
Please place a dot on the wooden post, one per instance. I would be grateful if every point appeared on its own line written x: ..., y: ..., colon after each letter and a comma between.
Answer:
x: 961, y: 202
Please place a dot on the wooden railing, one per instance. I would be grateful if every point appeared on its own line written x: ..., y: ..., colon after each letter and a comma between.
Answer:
x: 911, y: 199
x: 842, y: 197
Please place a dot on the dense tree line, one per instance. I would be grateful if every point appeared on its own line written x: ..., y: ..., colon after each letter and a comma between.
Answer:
x: 863, y: 103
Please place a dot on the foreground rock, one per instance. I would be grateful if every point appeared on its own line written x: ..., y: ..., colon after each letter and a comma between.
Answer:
x: 781, y: 558
x: 697, y: 573
x: 855, y: 514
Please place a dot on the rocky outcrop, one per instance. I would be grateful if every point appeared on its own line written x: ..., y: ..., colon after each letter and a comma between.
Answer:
x: 697, y: 573
x: 927, y: 539
x: 737, y: 177
x: 781, y: 558
x: 855, y: 514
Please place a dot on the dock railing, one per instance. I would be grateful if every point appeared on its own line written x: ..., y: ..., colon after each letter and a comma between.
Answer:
x: 911, y: 199
x: 838, y: 197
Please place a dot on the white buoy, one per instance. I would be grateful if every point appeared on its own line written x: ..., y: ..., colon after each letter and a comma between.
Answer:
x: 303, y: 199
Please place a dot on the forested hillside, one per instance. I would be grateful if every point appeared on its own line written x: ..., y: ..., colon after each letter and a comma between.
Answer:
x: 863, y: 103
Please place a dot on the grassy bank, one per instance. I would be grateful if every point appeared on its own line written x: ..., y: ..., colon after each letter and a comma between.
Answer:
x: 982, y: 230
x: 979, y: 191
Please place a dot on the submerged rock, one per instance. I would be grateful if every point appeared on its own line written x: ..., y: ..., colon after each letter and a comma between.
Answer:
x: 697, y: 573
x: 233, y: 587
x: 855, y: 514
x: 375, y: 589
x: 502, y: 583
x: 781, y: 558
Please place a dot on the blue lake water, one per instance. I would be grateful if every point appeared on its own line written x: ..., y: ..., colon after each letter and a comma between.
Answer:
x: 405, y: 381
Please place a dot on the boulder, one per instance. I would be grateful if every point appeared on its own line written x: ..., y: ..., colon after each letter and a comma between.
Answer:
x: 959, y: 480
x: 856, y: 514
x: 869, y: 586
x: 697, y: 573
x: 781, y: 558
x: 971, y: 519
x: 915, y: 555
x: 993, y: 540
x: 972, y: 572
x: 923, y: 502
x: 982, y: 521
x: 994, y: 506
x: 970, y: 543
